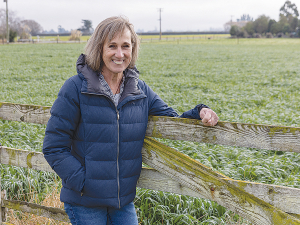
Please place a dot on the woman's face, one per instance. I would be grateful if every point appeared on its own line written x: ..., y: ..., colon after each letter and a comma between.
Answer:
x: 117, y: 54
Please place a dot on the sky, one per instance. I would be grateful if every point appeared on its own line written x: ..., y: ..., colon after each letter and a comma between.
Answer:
x: 176, y: 15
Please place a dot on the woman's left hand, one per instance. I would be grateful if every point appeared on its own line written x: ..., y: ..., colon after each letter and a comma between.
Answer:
x: 208, y: 117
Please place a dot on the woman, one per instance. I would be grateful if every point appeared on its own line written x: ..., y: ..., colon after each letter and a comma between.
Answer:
x: 95, y: 134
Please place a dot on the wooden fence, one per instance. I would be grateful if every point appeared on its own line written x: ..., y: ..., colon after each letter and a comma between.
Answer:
x: 175, y: 172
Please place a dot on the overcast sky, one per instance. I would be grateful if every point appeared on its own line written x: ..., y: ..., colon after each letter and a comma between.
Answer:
x: 177, y: 15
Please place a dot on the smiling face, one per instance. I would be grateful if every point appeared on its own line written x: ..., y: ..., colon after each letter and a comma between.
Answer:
x: 117, y: 54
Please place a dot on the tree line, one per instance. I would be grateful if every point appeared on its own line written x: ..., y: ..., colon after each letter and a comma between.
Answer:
x: 288, y: 24
x: 26, y: 28
x: 17, y: 27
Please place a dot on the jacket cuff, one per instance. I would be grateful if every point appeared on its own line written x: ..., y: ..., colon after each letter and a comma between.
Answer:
x: 194, y: 113
x: 201, y: 106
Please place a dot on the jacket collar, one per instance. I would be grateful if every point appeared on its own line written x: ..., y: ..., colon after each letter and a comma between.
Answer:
x: 92, y: 85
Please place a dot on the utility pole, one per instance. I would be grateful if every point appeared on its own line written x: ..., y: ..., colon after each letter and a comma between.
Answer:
x: 7, y: 28
x: 160, y: 9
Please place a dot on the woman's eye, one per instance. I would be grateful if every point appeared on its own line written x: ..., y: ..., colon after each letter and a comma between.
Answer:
x: 112, y: 46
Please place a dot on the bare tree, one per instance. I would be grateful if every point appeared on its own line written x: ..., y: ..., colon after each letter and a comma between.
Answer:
x: 24, y: 31
x: 35, y: 27
x: 13, y: 21
x: 2, y: 24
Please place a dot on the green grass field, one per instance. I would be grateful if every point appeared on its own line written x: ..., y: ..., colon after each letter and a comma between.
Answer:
x: 245, y: 80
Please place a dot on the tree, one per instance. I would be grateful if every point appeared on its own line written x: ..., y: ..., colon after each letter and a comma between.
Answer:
x: 290, y: 12
x: 289, y: 9
x: 87, y: 26
x: 283, y: 24
x: 245, y: 17
x: 271, y: 22
x: 13, y: 21
x: 275, y: 28
x: 293, y: 23
x: 261, y: 24
x: 2, y: 24
x: 24, y: 31
x: 286, y: 28
x: 249, y: 27
x: 234, y: 30
x: 61, y: 29
x: 35, y: 27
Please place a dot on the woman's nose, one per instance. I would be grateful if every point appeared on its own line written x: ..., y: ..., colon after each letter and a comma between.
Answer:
x: 119, y: 53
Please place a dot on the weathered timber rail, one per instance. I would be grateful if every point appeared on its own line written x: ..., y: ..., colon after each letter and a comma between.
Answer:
x: 177, y: 173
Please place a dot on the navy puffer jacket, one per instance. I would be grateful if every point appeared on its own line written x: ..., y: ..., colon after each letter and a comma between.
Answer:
x: 94, y: 146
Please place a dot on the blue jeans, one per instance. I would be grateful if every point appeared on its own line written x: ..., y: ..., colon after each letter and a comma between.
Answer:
x: 80, y: 215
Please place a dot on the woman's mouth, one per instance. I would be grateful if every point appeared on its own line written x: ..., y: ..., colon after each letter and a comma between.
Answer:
x: 119, y: 62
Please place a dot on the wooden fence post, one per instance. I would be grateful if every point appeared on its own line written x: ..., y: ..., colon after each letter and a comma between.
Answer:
x: 2, y: 197
x: 0, y: 191
x: 3, y: 209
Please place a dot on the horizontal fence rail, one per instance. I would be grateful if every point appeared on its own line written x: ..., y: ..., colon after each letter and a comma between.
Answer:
x: 25, y: 113
x: 284, y: 198
x: 39, y: 210
x: 267, y: 137
x: 177, y: 173
x: 211, y: 185
x: 279, y: 138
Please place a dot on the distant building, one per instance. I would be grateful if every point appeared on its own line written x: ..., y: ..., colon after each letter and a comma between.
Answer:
x: 229, y: 24
x: 239, y: 22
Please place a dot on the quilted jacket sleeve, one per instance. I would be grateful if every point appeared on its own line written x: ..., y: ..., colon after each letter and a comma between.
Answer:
x: 65, y: 115
x: 157, y: 107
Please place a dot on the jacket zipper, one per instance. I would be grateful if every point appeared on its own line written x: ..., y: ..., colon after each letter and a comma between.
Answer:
x: 118, y: 153
x: 118, y: 146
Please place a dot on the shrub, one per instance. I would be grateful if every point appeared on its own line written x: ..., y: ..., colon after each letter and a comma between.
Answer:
x: 242, y: 34
x: 280, y: 34
x: 24, y: 31
x: 269, y: 35
x: 12, y: 35
x: 257, y: 35
x: 75, y: 35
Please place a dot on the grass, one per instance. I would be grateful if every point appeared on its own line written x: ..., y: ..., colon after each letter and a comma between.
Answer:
x: 245, y: 82
x: 250, y: 81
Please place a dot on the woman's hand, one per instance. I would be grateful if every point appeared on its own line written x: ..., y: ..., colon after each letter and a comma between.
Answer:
x: 208, y: 117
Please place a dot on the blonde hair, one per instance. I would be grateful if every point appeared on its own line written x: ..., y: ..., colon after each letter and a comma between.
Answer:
x: 106, y: 31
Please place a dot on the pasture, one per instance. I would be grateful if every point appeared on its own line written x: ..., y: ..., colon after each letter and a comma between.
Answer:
x: 253, y: 81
